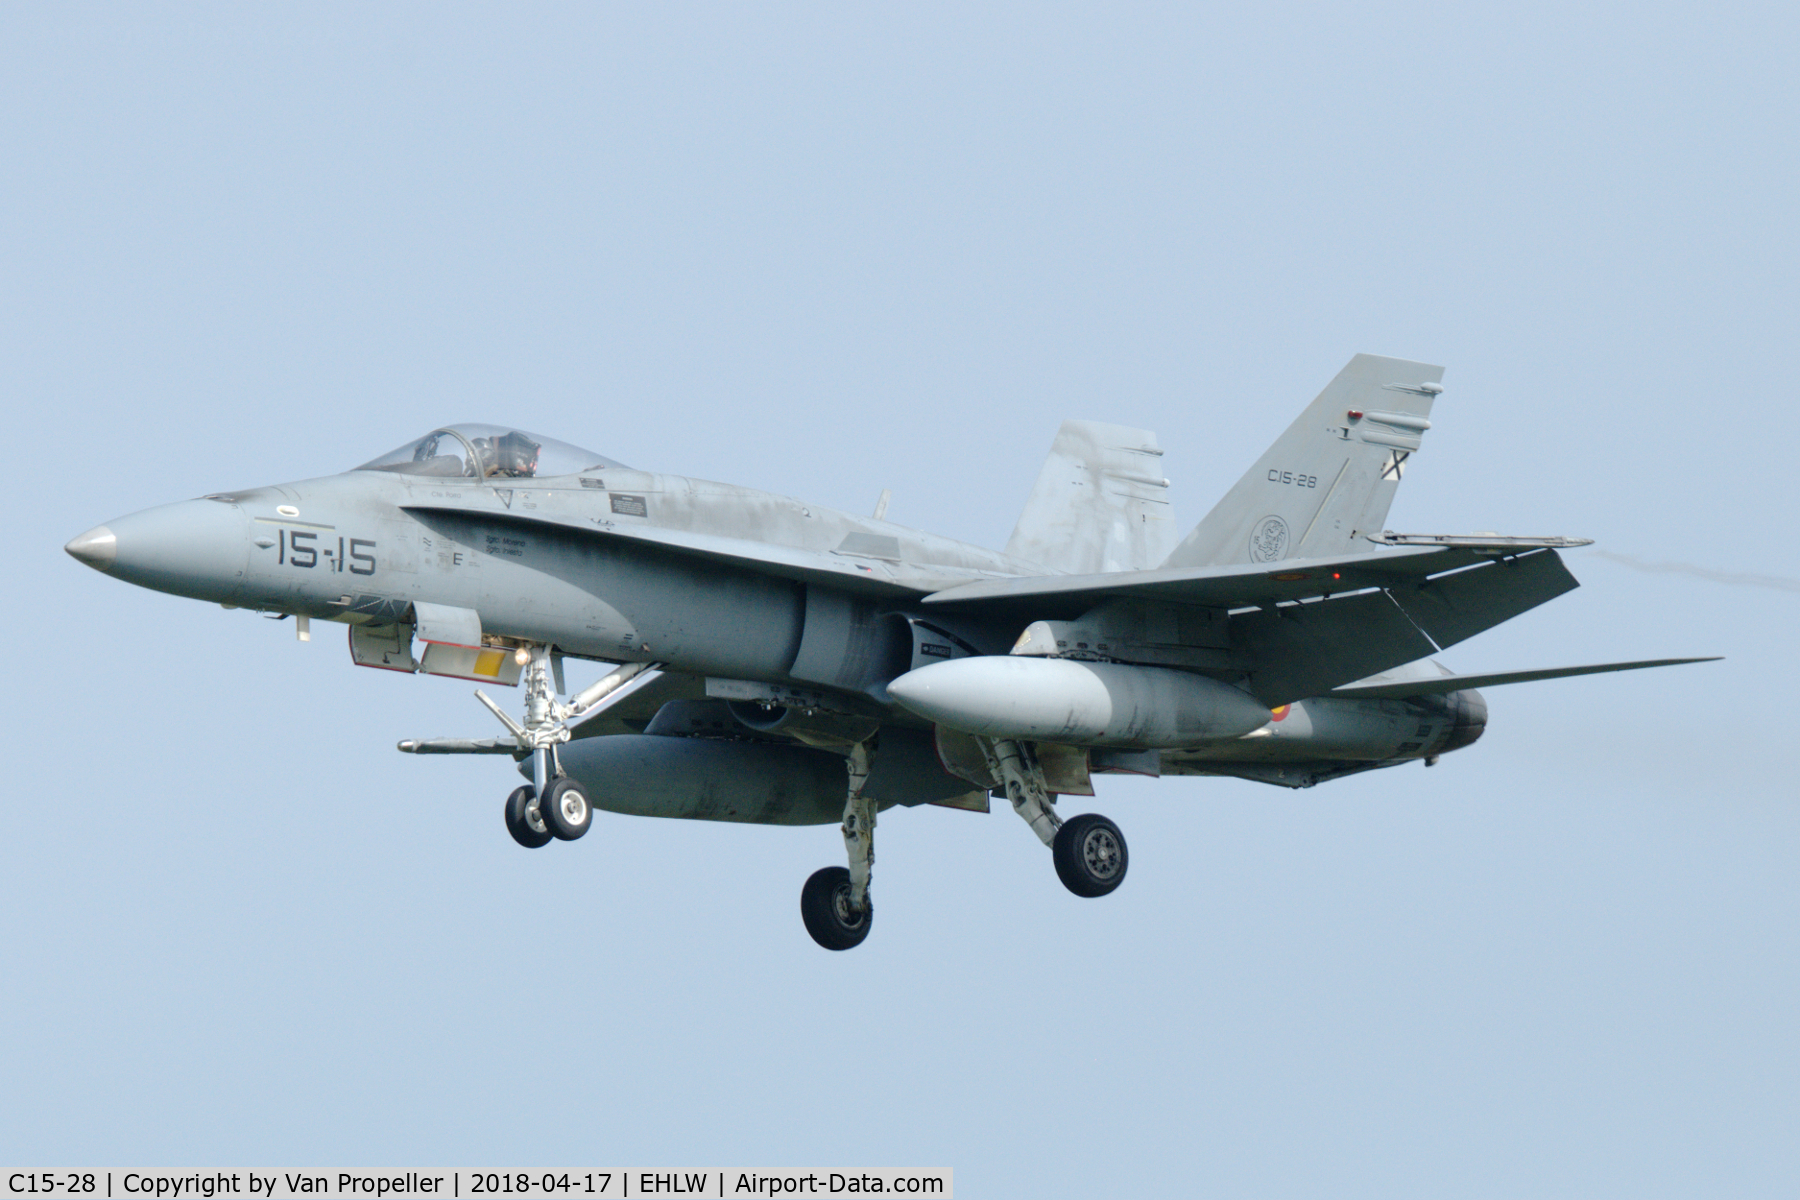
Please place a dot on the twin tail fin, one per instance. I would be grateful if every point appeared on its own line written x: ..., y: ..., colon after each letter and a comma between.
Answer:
x: 1328, y: 481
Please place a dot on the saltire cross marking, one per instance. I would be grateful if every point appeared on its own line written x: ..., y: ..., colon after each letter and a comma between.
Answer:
x: 1395, y: 466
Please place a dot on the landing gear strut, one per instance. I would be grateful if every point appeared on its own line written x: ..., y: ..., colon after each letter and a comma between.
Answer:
x: 835, y: 902
x: 1088, y: 850
x: 553, y: 806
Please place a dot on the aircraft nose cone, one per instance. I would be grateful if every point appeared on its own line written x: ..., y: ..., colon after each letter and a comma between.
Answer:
x: 98, y: 547
x: 197, y: 548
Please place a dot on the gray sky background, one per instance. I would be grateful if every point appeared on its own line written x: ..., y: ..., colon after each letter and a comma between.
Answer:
x: 827, y: 250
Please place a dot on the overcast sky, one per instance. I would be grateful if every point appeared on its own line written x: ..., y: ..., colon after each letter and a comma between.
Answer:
x: 827, y: 250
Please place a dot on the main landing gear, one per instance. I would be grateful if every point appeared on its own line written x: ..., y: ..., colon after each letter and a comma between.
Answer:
x: 1090, y: 856
x: 1088, y: 850
x: 835, y: 902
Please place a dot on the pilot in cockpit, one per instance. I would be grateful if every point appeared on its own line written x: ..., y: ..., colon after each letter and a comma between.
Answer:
x: 509, y: 456
x: 487, y: 452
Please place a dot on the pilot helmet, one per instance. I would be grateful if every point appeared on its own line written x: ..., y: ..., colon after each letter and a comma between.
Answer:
x: 515, y: 454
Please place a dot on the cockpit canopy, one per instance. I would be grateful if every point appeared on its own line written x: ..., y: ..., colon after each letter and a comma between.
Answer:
x: 470, y: 451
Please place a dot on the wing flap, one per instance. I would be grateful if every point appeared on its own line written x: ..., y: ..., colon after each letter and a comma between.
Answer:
x: 1453, y: 608
x: 1307, y: 649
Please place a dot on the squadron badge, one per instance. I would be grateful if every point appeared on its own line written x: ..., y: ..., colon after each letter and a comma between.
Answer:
x: 1269, y: 540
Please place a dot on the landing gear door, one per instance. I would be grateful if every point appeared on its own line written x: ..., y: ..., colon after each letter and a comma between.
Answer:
x: 442, y: 624
x: 483, y: 664
x: 453, y: 646
x: 386, y: 646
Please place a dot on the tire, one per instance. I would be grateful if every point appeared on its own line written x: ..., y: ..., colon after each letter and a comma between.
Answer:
x: 1090, y: 855
x: 566, y: 809
x: 519, y: 819
x: 825, y: 907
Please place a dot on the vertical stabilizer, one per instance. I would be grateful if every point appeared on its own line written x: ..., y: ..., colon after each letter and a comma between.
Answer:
x: 1328, y: 480
x: 1100, y: 503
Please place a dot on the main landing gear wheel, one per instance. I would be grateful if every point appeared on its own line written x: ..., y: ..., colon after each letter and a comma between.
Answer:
x: 826, y: 909
x: 524, y: 821
x: 1090, y: 855
x: 566, y: 810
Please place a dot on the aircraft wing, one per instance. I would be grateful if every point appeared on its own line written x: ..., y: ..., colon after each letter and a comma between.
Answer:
x: 1245, y: 585
x: 1293, y: 632
x: 1401, y: 689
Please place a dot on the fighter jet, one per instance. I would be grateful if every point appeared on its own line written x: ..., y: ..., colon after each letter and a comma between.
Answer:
x: 779, y: 662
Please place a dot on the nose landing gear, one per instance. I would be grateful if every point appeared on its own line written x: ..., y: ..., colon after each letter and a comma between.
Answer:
x: 553, y: 806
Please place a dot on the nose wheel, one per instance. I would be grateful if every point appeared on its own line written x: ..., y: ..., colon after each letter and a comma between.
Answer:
x: 564, y: 814
x: 565, y: 809
x: 525, y: 821
x: 553, y: 806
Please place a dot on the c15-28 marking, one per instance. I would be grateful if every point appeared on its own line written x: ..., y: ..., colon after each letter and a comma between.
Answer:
x: 1306, y: 481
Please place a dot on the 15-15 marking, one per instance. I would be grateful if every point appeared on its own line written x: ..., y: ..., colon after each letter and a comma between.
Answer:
x: 301, y: 549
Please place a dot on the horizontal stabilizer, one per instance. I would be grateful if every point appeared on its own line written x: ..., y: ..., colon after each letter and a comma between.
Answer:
x: 1456, y: 683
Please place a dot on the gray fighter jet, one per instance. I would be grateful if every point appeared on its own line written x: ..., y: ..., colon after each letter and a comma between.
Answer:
x: 782, y: 663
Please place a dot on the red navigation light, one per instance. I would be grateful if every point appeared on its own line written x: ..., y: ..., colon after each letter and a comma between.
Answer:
x: 1356, y: 414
